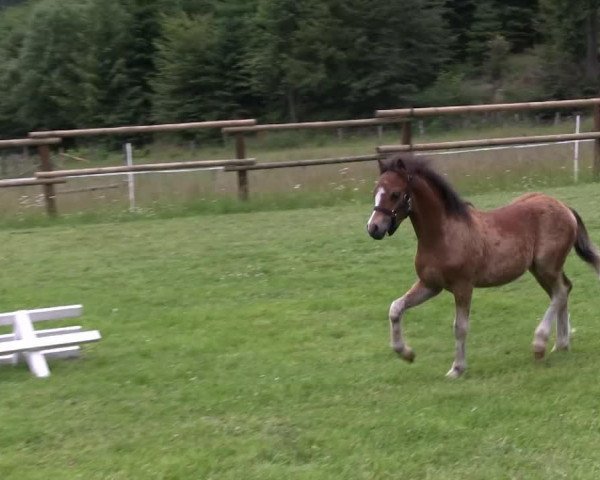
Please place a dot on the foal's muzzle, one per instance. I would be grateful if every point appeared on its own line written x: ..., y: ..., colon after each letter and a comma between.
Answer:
x: 394, y: 221
x: 375, y: 231
x: 402, y: 210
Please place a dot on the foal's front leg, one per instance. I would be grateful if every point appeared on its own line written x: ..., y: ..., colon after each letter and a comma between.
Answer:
x: 418, y: 294
x: 462, y: 300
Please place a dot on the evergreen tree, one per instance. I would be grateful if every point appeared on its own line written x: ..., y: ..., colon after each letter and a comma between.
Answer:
x: 12, y: 26
x: 485, y: 27
x: 199, y: 65
x: 110, y: 35
x: 459, y: 15
x: 474, y: 24
x: 518, y: 23
x: 570, y: 29
x: 270, y: 47
x: 233, y: 24
x: 57, y: 88
x: 398, y: 48
x: 141, y: 52
x: 187, y: 83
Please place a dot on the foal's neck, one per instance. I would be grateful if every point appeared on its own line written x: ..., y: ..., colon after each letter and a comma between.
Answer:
x: 428, y: 213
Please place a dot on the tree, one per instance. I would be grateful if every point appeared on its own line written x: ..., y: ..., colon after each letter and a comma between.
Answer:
x: 57, y: 86
x: 517, y: 18
x: 199, y: 65
x: 187, y: 81
x: 233, y: 23
x: 110, y: 35
x: 141, y: 52
x: 12, y: 25
x: 486, y: 26
x: 273, y: 28
x: 570, y: 30
x: 459, y: 16
x: 397, y: 48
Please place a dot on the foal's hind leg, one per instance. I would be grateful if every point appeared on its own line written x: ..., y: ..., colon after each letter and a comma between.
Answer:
x: 418, y: 294
x: 557, y: 286
x: 563, y: 328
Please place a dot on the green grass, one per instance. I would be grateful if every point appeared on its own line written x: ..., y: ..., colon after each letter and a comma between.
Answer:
x: 255, y: 346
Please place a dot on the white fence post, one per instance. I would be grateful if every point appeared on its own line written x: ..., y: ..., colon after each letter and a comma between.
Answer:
x: 576, y: 150
x: 130, y: 177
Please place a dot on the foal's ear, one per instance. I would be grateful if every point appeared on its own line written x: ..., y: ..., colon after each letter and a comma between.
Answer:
x: 398, y: 164
x: 393, y: 163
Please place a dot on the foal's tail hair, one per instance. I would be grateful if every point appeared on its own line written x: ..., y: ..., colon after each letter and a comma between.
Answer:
x: 584, y: 247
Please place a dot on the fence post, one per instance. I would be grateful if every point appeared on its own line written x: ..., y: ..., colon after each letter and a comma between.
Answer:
x: 407, y: 132
x: 130, y: 177
x: 49, y: 192
x: 596, y: 166
x: 240, y: 154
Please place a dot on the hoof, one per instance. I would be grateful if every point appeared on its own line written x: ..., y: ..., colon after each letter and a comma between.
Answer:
x: 455, y: 372
x: 408, y: 355
x: 405, y: 352
x: 539, y: 352
x: 539, y: 355
x: 561, y: 348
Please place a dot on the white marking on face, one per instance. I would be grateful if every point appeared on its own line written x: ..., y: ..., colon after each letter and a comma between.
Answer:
x: 378, y: 196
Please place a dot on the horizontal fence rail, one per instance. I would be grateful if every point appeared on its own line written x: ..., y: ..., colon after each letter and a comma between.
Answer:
x: 147, y: 167
x: 303, y: 163
x: 496, y: 107
x: 29, y: 142
x: 25, y: 182
x: 488, y: 142
x: 240, y: 145
x: 168, y: 127
x: 412, y: 113
x: 274, y: 127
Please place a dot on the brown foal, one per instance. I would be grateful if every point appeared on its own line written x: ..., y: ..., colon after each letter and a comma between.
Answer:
x: 460, y: 248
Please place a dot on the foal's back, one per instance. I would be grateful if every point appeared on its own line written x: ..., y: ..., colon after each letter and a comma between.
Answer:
x: 534, y: 229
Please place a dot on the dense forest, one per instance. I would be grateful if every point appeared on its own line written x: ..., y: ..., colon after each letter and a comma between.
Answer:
x: 76, y: 63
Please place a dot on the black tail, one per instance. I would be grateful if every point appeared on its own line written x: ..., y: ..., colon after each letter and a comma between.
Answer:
x: 584, y: 247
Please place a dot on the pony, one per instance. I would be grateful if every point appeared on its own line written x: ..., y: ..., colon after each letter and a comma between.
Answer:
x: 460, y: 248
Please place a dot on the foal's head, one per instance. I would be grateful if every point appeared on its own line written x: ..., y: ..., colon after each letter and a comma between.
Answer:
x: 393, y: 201
x: 397, y: 194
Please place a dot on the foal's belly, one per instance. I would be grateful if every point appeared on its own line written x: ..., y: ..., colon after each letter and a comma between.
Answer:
x: 503, y: 265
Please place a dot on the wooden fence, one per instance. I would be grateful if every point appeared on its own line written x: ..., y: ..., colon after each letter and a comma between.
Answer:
x: 47, y: 176
x: 43, y: 145
x: 240, y: 146
x: 46, y: 138
x: 409, y: 114
x: 137, y: 129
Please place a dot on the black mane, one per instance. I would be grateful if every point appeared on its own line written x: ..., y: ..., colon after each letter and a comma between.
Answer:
x: 419, y: 167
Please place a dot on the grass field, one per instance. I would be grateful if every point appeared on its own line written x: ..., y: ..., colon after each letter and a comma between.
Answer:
x: 255, y: 346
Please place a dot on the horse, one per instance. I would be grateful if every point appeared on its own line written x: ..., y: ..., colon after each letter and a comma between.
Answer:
x: 460, y: 248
